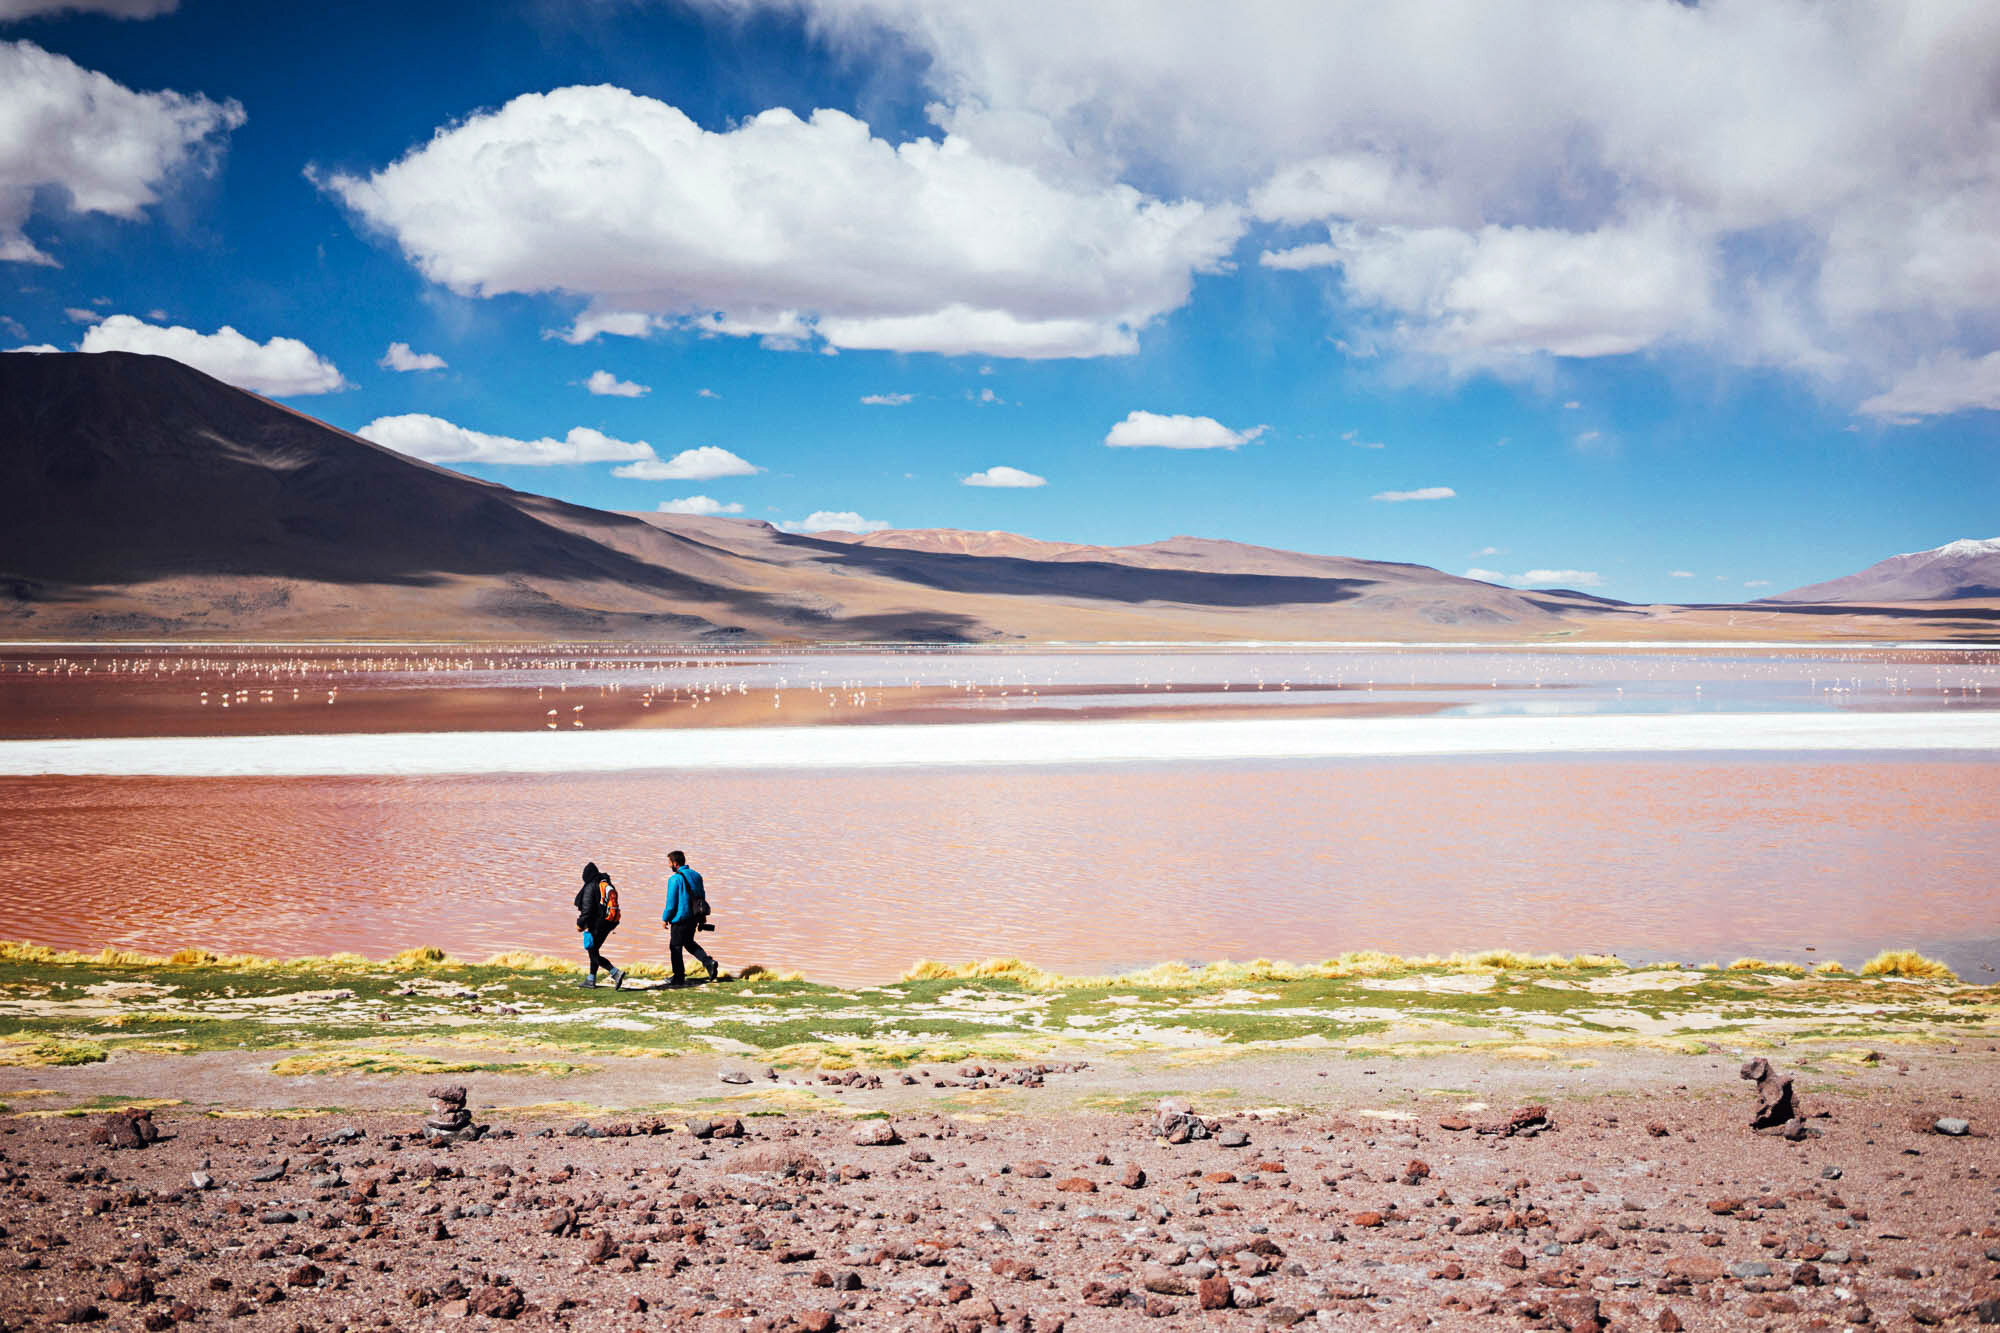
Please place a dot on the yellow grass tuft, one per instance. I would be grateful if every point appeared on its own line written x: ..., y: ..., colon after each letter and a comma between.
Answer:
x: 1907, y: 963
x: 758, y: 972
x: 1179, y: 976
x: 1829, y: 969
x: 521, y: 960
x: 42, y: 1051
x: 424, y: 955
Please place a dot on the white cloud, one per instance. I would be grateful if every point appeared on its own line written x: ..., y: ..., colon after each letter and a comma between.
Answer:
x: 1589, y: 437
x: 1353, y: 437
x: 36, y: 347
x: 1820, y: 179
x: 1421, y: 493
x: 1491, y: 297
x: 400, y: 357
x: 815, y: 226
x: 284, y: 367
x: 607, y: 385
x: 887, y: 399
x: 73, y: 135
x: 77, y: 314
x: 591, y: 324
x: 439, y: 441
x: 1488, y: 550
x: 1009, y: 477
x: 1541, y: 578
x: 988, y: 398
x: 835, y: 520
x: 1758, y: 583
x: 1948, y: 383
x: 1572, y: 405
x: 1152, y: 430
x: 706, y: 393
x: 703, y: 463
x: 698, y: 504
x: 12, y: 11
x: 1680, y: 573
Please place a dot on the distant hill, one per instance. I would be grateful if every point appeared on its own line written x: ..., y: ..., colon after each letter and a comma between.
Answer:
x: 1962, y: 569
x: 142, y: 499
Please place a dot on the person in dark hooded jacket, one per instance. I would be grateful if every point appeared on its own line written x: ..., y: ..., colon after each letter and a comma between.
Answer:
x: 590, y: 920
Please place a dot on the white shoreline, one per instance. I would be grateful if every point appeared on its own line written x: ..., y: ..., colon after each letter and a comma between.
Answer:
x: 432, y: 754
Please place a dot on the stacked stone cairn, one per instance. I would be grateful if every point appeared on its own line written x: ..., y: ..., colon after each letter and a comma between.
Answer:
x: 449, y: 1120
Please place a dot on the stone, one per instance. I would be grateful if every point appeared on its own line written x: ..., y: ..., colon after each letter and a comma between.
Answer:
x: 1416, y: 1171
x: 1103, y: 1295
x: 1033, y: 1170
x: 1177, y: 1123
x: 877, y: 1134
x: 1511, y: 1257
x: 1774, y: 1095
x: 1076, y: 1185
x: 1455, y: 1123
x: 1214, y: 1293
x: 1233, y: 1138
x: 817, y: 1321
x: 1668, y: 1322
x: 1953, y: 1126
x: 305, y: 1275
x: 1132, y: 1177
x: 1164, y: 1281
x: 1749, y: 1269
x: 497, y: 1302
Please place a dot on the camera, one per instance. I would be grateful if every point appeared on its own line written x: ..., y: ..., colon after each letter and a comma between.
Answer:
x: 704, y: 926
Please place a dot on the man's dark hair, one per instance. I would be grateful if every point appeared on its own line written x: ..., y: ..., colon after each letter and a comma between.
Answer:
x: 678, y: 858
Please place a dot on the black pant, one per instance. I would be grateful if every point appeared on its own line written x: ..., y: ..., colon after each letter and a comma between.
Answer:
x: 680, y: 935
x: 595, y: 950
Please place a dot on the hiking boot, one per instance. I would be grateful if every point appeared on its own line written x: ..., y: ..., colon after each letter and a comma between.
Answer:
x: 589, y: 982
x: 678, y: 983
x: 617, y: 978
x: 713, y: 971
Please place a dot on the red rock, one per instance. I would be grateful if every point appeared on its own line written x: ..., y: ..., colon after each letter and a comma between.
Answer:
x: 1220, y: 1177
x: 1417, y: 1170
x: 1158, y: 1307
x: 1033, y: 1170
x: 1132, y: 1177
x: 1076, y: 1185
x: 1454, y: 1123
x: 1512, y: 1258
x: 497, y: 1302
x: 1371, y: 1218
x: 817, y: 1321
x: 1215, y: 1293
x: 1104, y: 1297
x: 1668, y: 1322
x: 1721, y: 1207
x: 305, y: 1275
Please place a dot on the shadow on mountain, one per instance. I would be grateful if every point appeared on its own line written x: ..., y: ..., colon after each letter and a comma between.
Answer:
x: 1092, y: 580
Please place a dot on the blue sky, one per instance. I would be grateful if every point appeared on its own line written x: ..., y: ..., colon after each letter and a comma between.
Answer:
x: 1673, y: 303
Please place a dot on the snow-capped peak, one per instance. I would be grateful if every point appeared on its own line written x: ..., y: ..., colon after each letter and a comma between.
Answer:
x: 1963, y: 549
x: 1968, y: 546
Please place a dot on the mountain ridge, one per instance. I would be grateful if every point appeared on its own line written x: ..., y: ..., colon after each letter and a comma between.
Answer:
x: 141, y: 498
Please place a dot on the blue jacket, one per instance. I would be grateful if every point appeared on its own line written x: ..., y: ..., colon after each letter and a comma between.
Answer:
x: 682, y: 885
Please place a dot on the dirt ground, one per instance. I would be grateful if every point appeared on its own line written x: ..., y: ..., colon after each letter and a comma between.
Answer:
x: 1644, y: 1201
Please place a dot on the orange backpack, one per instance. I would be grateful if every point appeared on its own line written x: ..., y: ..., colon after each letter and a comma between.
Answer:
x: 610, y: 903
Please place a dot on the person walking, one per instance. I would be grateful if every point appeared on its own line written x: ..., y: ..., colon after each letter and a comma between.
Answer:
x: 687, y: 905
x: 597, y: 917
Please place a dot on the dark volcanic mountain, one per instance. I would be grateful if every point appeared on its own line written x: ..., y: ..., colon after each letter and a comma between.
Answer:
x: 1960, y: 569
x: 140, y: 498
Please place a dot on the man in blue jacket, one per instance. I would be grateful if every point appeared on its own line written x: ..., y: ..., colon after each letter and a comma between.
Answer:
x: 684, y: 891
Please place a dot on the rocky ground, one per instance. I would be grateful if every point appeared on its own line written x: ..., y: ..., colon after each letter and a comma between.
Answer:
x: 1657, y: 1208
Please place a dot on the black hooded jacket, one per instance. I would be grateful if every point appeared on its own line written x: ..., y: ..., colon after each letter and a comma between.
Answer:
x: 590, y: 902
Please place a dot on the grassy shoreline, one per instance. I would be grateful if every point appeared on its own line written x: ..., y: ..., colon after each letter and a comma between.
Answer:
x: 420, y: 1012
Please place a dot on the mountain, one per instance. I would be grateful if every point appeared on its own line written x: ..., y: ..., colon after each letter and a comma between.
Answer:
x: 1957, y: 570
x: 141, y: 499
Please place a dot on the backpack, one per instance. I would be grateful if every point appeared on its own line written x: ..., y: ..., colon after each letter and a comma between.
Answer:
x: 610, y: 903
x: 697, y: 894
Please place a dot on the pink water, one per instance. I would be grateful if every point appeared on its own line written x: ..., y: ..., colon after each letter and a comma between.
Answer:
x: 852, y: 875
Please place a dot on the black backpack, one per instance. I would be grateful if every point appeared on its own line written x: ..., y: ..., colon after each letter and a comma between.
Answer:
x: 697, y: 898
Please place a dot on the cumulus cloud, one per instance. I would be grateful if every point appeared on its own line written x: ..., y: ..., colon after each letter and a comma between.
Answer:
x: 592, y: 324
x: 1541, y: 578
x: 703, y: 463
x: 1353, y: 437
x: 1948, y: 383
x: 1680, y: 573
x: 607, y: 385
x: 785, y: 228
x: 835, y: 520
x: 1142, y: 429
x: 1421, y: 493
x: 1757, y: 583
x: 1006, y: 477
x: 283, y: 367
x: 886, y: 399
x: 436, y: 440
x: 400, y: 357
x: 36, y: 347
x: 81, y: 138
x: 706, y: 393
x: 12, y: 11
x: 698, y: 504
x: 1819, y: 180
